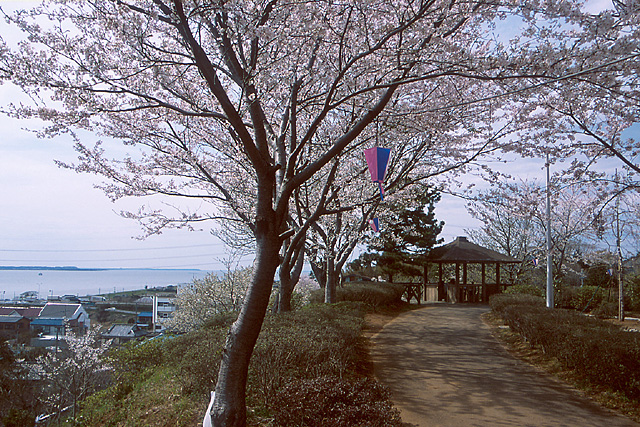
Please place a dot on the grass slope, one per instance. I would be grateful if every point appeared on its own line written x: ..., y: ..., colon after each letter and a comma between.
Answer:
x: 310, y: 367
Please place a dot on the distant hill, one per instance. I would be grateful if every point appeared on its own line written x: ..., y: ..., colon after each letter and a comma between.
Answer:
x: 64, y: 268
x: 73, y: 268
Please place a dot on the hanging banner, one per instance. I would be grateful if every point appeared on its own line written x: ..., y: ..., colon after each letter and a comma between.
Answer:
x: 375, y: 224
x: 377, y: 160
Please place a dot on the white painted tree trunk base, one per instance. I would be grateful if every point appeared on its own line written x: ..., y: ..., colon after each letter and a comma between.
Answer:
x: 207, y: 416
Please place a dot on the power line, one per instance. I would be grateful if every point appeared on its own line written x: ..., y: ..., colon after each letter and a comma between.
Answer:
x: 113, y: 259
x: 111, y: 250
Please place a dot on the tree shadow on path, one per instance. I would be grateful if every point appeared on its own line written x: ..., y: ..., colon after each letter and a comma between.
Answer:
x: 444, y: 368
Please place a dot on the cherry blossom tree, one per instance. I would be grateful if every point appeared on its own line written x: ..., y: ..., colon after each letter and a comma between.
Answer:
x: 424, y: 149
x: 514, y: 222
x: 591, y: 118
x: 198, y: 301
x: 79, y: 369
x: 241, y: 103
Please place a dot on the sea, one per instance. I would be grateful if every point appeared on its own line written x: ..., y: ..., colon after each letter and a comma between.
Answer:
x: 89, y: 282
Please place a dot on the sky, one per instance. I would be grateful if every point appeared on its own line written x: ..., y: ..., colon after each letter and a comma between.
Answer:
x: 52, y: 216
x: 55, y: 217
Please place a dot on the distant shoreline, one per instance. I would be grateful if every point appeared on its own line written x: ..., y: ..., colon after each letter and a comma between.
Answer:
x: 73, y: 268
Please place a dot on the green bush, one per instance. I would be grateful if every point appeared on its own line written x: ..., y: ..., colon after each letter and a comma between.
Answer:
x: 375, y: 294
x: 220, y: 320
x: 196, y: 355
x: 606, y: 310
x: 599, y: 352
x: 318, y: 340
x: 499, y: 302
x: 585, y: 298
x: 633, y: 291
x: 331, y: 401
x: 525, y: 289
x: 196, y: 358
x: 18, y: 418
x: 135, y: 357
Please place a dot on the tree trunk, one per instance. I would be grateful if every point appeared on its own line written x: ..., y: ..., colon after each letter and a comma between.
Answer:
x: 285, y: 291
x: 229, y: 408
x: 330, y: 286
x: 288, y: 281
x: 320, y: 274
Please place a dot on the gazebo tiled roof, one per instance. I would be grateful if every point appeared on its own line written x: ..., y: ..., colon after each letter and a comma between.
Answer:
x: 462, y: 250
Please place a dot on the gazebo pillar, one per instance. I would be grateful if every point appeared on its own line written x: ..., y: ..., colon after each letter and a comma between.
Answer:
x: 442, y: 294
x: 464, y: 273
x: 425, y: 274
x: 484, y: 282
x: 465, y: 297
x: 456, y: 288
x: 498, y: 275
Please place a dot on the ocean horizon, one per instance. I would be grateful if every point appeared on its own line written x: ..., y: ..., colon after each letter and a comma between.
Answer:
x: 71, y: 280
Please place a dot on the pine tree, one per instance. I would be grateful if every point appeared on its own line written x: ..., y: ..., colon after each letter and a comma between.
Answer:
x: 407, y: 236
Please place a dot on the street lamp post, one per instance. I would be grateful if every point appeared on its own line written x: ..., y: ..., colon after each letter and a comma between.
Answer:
x: 550, y: 303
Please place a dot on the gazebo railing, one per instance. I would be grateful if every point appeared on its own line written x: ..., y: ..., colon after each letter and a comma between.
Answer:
x: 451, y: 292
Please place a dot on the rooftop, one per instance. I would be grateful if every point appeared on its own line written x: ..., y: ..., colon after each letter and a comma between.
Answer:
x: 59, y: 310
x: 462, y: 250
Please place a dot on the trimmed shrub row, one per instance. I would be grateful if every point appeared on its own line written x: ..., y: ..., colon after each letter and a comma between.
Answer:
x: 599, y: 352
x: 374, y: 294
x: 525, y: 289
x: 312, y: 342
x: 330, y: 401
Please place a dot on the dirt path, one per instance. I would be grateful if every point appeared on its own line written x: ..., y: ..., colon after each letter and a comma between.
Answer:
x: 445, y: 368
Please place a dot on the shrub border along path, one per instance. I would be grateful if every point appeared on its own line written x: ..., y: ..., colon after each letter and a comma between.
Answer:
x: 519, y: 348
x: 523, y: 349
x: 445, y: 368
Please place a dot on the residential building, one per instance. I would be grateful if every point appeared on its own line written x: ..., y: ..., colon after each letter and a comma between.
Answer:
x: 123, y: 333
x: 55, y: 320
x: 163, y: 309
x: 145, y: 319
x: 13, y: 326
x: 15, y: 322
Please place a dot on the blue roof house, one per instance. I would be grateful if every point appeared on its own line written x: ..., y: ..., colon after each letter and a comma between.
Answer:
x: 55, y: 320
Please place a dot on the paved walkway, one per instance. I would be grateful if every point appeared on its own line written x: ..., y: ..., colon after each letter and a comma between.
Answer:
x: 445, y: 368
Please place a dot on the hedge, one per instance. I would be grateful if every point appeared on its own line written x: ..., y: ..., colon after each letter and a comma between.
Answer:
x: 374, y: 294
x: 597, y: 351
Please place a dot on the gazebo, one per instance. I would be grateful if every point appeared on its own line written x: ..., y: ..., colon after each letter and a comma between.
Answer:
x: 465, y: 283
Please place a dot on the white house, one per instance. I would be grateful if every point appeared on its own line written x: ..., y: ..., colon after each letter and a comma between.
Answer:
x: 55, y: 319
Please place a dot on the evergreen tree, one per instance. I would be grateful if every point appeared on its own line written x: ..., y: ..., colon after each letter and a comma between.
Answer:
x: 407, y: 236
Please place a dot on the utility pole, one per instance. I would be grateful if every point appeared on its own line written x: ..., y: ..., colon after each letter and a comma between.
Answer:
x: 550, y: 303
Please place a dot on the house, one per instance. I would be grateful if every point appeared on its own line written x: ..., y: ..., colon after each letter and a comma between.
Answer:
x: 145, y: 318
x: 29, y: 297
x: 28, y: 312
x: 123, y: 333
x: 13, y: 326
x: 15, y: 322
x: 55, y: 320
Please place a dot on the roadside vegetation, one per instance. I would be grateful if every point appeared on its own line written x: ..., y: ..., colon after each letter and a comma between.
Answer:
x: 595, y: 355
x: 310, y: 367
